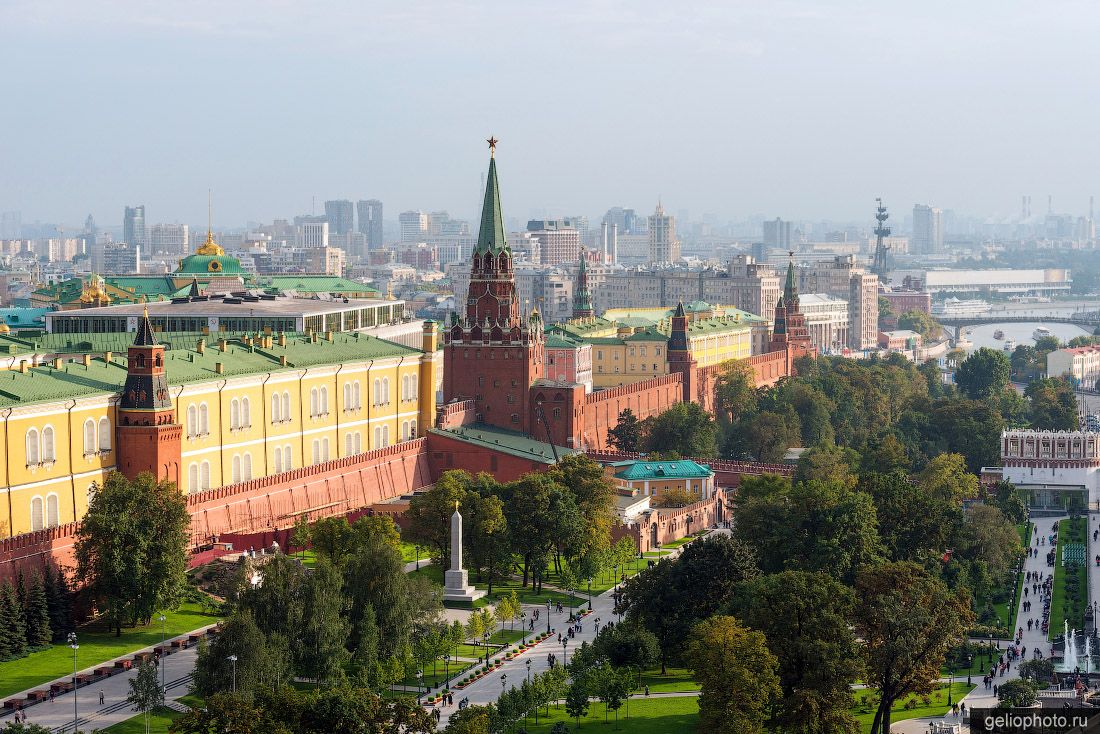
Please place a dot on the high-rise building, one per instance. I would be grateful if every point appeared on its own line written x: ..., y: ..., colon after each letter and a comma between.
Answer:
x: 415, y: 226
x: 927, y: 230
x: 314, y: 234
x: 121, y: 258
x: 559, y: 240
x: 340, y: 215
x: 169, y: 239
x: 370, y: 222
x: 663, y: 245
x: 777, y: 233
x: 626, y: 219
x: 133, y: 225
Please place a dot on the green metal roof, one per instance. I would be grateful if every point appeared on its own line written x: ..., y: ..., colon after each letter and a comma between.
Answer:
x: 314, y: 284
x: 509, y: 442
x: 201, y: 264
x: 185, y: 365
x: 491, y: 237
x: 560, y: 341
x: 650, y: 470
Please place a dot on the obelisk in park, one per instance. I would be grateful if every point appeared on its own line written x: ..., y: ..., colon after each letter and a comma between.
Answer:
x: 456, y: 582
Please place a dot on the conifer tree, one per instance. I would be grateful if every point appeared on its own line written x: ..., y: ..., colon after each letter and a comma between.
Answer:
x: 11, y: 620
x: 58, y: 603
x: 37, y: 614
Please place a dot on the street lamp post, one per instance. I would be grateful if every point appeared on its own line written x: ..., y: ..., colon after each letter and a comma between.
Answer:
x: 523, y: 626
x: 486, y: 637
x: 969, y: 665
x: 72, y: 643
x: 233, y: 660
x: 547, y: 616
x: 590, y: 593
x: 951, y: 683
x: 419, y: 683
x: 447, y: 669
x: 163, y: 653
x: 565, y: 651
x: 990, y: 648
x: 528, y: 683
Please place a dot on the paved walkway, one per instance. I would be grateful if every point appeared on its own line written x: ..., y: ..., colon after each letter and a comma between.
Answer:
x: 980, y: 697
x: 58, y: 715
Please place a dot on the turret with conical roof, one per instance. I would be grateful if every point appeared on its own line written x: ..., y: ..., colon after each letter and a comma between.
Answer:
x: 491, y: 237
x: 790, y: 288
x: 582, y: 299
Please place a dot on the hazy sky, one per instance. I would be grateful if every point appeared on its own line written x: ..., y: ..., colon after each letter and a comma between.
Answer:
x: 783, y: 108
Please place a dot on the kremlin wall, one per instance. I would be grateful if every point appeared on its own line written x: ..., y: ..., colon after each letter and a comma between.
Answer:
x: 499, y: 413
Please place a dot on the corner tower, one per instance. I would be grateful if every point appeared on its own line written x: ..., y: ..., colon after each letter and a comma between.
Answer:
x: 148, y: 435
x: 491, y: 354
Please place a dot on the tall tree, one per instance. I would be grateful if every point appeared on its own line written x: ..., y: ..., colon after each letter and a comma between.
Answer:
x: 810, y: 526
x: 805, y: 618
x: 914, y: 524
x: 323, y: 637
x: 735, y: 394
x: 226, y: 713
x: 736, y: 674
x: 767, y: 436
x: 59, y: 603
x: 131, y: 548
x: 487, y: 541
x: 627, y: 433
x: 671, y: 597
x: 428, y: 519
x: 685, y: 429
x: 908, y: 620
x: 1053, y: 405
x: 13, y: 635
x: 991, y: 538
x: 145, y: 691
x: 37, y: 614
x: 263, y: 662
x: 946, y: 478
x: 983, y: 374
x: 534, y: 527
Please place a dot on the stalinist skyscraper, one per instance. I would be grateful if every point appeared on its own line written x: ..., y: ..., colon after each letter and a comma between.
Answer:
x: 663, y: 245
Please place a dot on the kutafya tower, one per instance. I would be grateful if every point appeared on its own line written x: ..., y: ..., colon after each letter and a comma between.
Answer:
x: 492, y: 354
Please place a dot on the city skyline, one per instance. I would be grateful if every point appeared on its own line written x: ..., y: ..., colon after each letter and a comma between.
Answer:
x: 739, y: 88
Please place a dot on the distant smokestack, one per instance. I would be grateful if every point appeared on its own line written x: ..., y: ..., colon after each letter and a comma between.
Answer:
x: 1023, y: 207
x: 614, y: 243
x: 603, y: 240
x: 1090, y: 209
x: 1050, y: 203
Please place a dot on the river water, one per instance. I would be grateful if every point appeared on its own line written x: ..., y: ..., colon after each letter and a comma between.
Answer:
x: 1021, y: 332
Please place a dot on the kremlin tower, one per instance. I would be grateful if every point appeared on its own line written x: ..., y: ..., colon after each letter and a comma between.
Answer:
x: 789, y: 330
x: 492, y: 354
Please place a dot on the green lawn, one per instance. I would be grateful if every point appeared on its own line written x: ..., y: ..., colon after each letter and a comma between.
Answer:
x: 96, y: 646
x: 683, y: 541
x: 979, y: 664
x: 1008, y: 611
x: 1069, y: 531
x: 937, y: 705
x: 671, y: 715
x: 159, y: 719
x: 674, y: 681
x: 601, y: 582
x: 408, y: 555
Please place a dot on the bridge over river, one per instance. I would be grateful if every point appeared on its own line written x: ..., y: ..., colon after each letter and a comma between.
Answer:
x: 1089, y: 320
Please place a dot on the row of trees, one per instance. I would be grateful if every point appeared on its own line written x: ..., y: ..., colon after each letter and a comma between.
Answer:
x: 342, y: 708
x: 560, y: 518
x: 780, y: 650
x: 33, y: 614
x: 356, y: 613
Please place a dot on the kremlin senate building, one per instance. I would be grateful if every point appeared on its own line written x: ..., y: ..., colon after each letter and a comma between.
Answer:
x: 265, y: 409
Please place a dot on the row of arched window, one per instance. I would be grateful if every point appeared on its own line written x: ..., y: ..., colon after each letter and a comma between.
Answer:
x: 320, y: 450
x: 41, y: 445
x: 240, y: 410
x: 242, y: 467
x: 408, y: 429
x: 97, y: 436
x: 44, y: 513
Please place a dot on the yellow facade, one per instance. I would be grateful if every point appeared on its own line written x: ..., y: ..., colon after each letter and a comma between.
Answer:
x: 622, y: 362
x: 234, y: 429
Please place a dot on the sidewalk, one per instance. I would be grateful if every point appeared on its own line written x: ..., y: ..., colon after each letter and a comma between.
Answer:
x: 58, y: 714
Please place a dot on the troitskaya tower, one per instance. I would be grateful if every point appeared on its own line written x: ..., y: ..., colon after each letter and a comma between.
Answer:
x: 492, y: 354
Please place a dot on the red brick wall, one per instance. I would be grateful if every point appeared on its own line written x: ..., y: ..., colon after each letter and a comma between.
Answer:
x: 450, y: 453
x: 600, y: 412
x: 333, y: 488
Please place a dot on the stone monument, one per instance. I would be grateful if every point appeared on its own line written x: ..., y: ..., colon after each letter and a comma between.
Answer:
x: 456, y: 581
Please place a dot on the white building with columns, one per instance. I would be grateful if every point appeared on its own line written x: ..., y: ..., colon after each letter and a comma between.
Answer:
x: 1056, y: 468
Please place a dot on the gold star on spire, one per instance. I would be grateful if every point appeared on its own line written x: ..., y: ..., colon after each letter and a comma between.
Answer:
x: 492, y: 145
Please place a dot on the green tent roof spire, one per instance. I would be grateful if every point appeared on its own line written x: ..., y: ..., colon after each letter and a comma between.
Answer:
x: 790, y: 289
x: 491, y: 238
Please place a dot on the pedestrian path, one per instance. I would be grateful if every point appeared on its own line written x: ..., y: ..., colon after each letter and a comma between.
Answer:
x: 57, y: 714
x: 981, y: 697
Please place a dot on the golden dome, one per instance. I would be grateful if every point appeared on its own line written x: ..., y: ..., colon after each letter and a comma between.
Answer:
x: 210, y: 247
x: 4, y: 328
